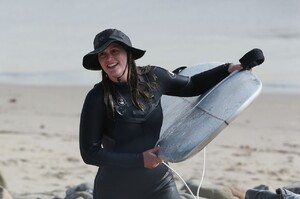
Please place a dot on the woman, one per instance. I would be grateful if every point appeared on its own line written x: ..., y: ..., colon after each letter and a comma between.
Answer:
x: 122, y: 116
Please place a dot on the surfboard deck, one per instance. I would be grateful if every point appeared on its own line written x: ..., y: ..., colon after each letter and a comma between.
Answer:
x: 190, y: 123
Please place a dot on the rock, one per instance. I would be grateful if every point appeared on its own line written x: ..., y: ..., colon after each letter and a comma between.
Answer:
x: 264, y: 187
x: 4, y: 194
x: 210, y: 191
x: 265, y: 194
x: 295, y: 187
x: 81, y: 191
x: 80, y: 195
x: 284, y: 193
x: 261, y: 187
x: 261, y: 194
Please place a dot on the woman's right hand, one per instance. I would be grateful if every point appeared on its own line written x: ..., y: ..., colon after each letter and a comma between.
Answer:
x: 151, y: 160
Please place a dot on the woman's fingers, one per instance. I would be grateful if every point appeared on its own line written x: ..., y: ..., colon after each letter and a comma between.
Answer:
x: 151, y: 160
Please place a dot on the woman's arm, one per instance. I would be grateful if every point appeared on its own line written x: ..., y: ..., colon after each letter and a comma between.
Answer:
x: 197, y: 84
x: 92, y: 127
x: 202, y: 82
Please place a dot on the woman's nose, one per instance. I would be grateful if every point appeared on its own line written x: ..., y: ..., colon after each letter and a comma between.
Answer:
x: 110, y: 57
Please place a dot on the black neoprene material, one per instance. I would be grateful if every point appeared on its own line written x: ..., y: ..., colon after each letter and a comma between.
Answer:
x: 132, y: 132
x: 252, y: 58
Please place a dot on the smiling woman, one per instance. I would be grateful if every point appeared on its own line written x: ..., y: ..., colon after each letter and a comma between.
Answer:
x: 122, y: 117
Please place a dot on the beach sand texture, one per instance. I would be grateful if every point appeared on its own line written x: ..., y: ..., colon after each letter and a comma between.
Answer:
x: 40, y: 155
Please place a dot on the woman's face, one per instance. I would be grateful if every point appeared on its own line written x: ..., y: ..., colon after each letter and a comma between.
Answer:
x: 113, y: 61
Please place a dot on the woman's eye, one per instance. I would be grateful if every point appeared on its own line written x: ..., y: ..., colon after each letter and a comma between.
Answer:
x: 101, y: 55
x: 114, y: 51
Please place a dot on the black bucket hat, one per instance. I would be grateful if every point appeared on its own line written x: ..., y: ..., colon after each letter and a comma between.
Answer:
x: 103, y: 40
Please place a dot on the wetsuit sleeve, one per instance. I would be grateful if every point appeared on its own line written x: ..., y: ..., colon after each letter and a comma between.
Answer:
x: 92, y: 127
x: 178, y: 85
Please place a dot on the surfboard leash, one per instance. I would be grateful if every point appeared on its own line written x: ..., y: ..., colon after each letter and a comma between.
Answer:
x: 184, y: 182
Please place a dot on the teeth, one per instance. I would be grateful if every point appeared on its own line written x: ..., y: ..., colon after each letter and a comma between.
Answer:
x: 112, y: 65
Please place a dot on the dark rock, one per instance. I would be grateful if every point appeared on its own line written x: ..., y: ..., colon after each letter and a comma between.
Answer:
x: 295, y: 187
x: 261, y: 194
x: 262, y: 187
x: 287, y: 194
x: 81, y: 191
x: 80, y: 195
x: 265, y: 194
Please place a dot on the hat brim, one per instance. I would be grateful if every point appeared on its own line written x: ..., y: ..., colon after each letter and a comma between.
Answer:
x: 90, y: 60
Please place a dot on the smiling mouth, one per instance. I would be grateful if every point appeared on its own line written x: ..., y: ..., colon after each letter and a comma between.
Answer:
x: 112, y: 65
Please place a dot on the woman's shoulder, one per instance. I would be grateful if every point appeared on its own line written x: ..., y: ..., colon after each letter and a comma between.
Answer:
x: 150, y: 69
x: 98, y: 86
x: 96, y: 92
x: 142, y: 70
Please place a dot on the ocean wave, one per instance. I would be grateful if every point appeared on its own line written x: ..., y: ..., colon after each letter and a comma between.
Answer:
x: 51, y: 78
x: 83, y: 78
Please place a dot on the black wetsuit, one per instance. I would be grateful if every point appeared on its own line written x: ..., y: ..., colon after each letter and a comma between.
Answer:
x: 121, y: 171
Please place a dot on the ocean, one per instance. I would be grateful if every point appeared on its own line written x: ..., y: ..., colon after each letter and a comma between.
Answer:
x: 43, y: 42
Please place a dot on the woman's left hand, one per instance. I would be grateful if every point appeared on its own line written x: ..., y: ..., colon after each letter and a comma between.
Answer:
x: 234, y: 67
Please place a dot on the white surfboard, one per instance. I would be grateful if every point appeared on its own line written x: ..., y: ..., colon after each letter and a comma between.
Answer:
x: 190, y: 123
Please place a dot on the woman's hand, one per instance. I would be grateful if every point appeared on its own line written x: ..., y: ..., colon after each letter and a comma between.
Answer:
x: 150, y: 158
x: 234, y: 67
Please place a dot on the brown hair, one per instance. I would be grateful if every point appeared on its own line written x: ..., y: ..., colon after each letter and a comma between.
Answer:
x: 138, y: 88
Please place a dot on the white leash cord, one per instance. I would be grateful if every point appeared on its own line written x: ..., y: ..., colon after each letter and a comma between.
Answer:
x: 203, y: 172
x: 202, y: 178
x: 180, y: 179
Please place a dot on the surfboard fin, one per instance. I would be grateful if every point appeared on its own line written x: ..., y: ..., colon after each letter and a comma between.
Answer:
x: 179, y: 69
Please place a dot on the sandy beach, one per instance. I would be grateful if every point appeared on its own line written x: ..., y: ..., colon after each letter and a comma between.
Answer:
x: 39, y: 153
